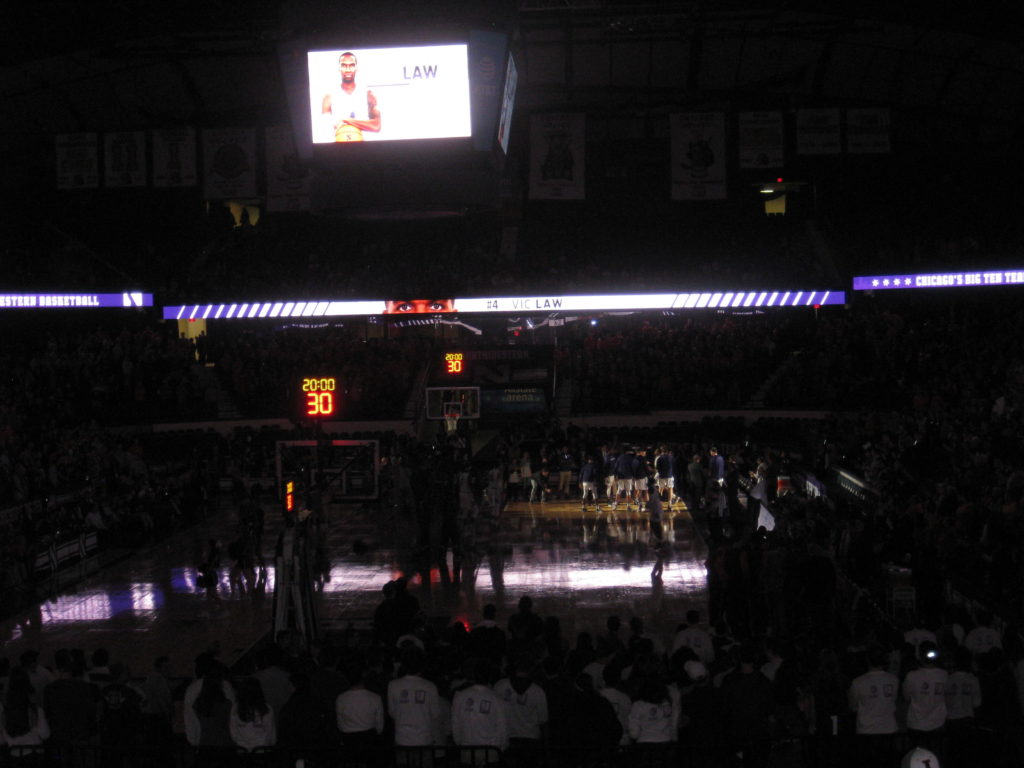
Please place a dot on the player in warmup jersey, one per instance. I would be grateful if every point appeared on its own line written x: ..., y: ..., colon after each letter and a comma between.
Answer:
x: 350, y: 108
x: 623, y: 477
x: 665, y: 473
x: 641, y: 473
x: 608, y: 459
x: 588, y: 483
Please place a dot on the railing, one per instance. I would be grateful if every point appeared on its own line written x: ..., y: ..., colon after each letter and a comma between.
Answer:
x: 956, y: 747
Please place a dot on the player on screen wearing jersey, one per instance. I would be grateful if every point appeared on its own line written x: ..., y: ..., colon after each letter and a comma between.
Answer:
x: 351, y: 109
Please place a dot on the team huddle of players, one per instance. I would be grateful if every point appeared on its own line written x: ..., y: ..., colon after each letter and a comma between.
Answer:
x: 630, y: 476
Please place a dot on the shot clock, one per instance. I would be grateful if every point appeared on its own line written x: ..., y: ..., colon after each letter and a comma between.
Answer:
x: 318, y: 397
x: 454, y: 363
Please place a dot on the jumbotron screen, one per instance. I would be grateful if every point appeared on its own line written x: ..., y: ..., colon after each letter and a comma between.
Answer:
x: 386, y: 94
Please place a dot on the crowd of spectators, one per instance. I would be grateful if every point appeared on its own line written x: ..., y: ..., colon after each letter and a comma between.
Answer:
x: 208, y: 256
x: 926, y: 410
x: 681, y: 363
x: 262, y: 368
x: 696, y: 694
x: 63, y: 375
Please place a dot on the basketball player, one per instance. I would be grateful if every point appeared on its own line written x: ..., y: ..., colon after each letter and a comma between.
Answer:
x: 624, y: 477
x: 608, y: 458
x: 352, y: 109
x: 588, y: 483
x: 640, y: 474
x: 665, y: 473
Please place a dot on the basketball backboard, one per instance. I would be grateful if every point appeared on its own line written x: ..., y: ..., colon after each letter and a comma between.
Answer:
x: 445, y: 401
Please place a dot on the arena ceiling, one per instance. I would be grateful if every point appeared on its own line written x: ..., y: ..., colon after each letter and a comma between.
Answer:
x: 71, y: 66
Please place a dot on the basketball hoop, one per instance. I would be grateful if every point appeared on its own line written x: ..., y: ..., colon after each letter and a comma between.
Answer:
x: 452, y: 414
x: 451, y: 422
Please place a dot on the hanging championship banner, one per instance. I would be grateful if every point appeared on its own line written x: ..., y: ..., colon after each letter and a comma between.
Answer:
x: 557, y: 158
x: 761, y: 139
x: 867, y: 131
x: 698, y: 155
x: 77, y: 161
x: 287, y: 175
x: 229, y: 163
x: 174, y: 157
x: 124, y: 159
x: 817, y: 132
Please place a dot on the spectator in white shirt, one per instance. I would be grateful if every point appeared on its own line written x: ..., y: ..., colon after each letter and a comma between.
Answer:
x: 275, y: 680
x: 775, y: 657
x: 206, y: 666
x: 159, y: 699
x: 696, y: 638
x: 480, y: 719
x: 414, y: 704
x: 963, y: 697
x: 873, y: 696
x: 621, y: 702
x: 653, y: 719
x: 963, y: 690
x: 526, y: 704
x: 360, y: 714
x: 605, y: 654
x: 920, y: 758
x: 22, y: 721
x: 925, y: 691
x: 38, y: 675
x: 983, y: 638
x: 252, y: 719
x: 918, y: 634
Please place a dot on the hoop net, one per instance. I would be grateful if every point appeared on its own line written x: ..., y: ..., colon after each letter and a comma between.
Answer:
x: 451, y: 422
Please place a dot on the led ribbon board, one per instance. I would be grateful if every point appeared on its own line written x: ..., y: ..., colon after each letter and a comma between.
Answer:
x: 75, y: 300
x: 940, y: 280
x: 508, y: 305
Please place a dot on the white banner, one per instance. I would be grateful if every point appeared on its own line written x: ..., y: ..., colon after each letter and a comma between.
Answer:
x: 698, y: 155
x: 287, y: 175
x: 229, y: 163
x: 761, y: 139
x: 124, y: 159
x: 867, y: 131
x: 557, y: 156
x: 174, y: 157
x: 817, y: 132
x: 77, y: 161
x: 439, y: 308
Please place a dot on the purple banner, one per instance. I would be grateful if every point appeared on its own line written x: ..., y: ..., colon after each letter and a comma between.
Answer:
x: 74, y: 300
x: 939, y: 280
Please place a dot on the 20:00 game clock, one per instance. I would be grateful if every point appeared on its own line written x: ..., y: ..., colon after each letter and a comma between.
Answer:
x: 318, y: 397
